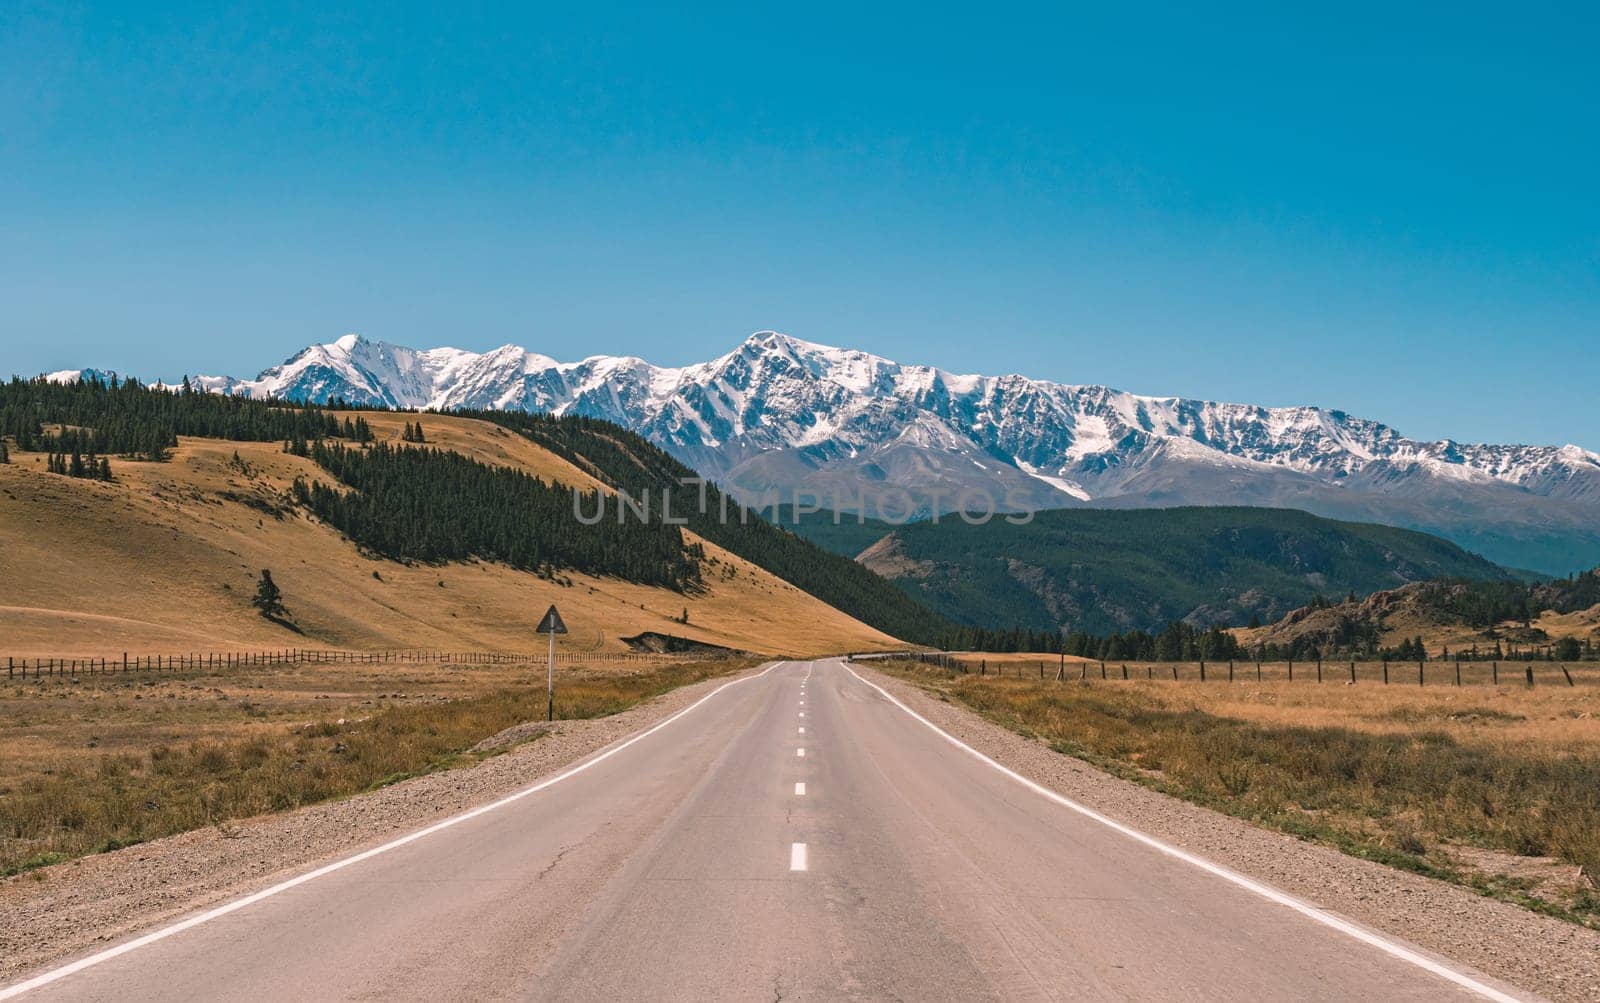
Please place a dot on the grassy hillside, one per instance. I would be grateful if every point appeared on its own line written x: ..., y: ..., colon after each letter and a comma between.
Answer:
x: 164, y: 557
x: 1102, y: 571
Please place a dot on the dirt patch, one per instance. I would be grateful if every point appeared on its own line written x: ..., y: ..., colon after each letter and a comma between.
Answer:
x: 514, y: 735
x: 652, y: 642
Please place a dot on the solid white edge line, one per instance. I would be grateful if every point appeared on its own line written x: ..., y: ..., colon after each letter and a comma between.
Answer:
x: 1392, y: 948
x: 797, y: 857
x: 799, y: 752
x: 44, y: 979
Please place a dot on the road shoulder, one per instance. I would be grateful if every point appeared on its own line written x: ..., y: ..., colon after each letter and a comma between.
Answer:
x: 1539, y: 953
x: 55, y: 913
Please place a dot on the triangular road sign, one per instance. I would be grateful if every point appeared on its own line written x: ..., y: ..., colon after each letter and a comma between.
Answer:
x: 551, y: 624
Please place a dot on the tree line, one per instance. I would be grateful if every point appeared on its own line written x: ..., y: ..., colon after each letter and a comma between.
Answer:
x: 1484, y: 604
x: 1177, y: 642
x: 127, y: 418
x: 73, y: 454
x: 428, y: 505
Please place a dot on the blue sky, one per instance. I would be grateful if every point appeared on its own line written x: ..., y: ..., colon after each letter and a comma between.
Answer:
x: 1390, y: 211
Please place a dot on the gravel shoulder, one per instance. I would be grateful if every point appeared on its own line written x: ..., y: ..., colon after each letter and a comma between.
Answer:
x: 55, y: 913
x: 1538, y: 953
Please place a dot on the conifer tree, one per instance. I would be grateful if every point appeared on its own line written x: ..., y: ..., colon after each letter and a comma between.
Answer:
x: 269, y: 598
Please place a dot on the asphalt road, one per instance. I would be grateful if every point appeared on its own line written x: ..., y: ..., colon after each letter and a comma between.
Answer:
x: 794, y: 836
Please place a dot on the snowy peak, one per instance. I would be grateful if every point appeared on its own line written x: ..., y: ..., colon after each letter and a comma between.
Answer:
x: 778, y: 413
x: 777, y: 392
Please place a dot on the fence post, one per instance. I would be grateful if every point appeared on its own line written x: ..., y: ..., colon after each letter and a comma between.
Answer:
x: 1530, y: 675
x: 1174, y: 671
x: 1494, y: 670
x: 1386, y: 671
x: 1420, y: 678
x: 1124, y: 671
x: 1202, y: 670
x: 1258, y: 668
x: 1458, y: 672
x: 1564, y: 672
x: 1352, y: 670
x: 1230, y: 670
x: 1319, y: 668
x: 1102, y: 671
x: 1291, y: 670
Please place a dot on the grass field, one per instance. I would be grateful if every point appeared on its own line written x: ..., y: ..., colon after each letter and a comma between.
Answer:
x: 107, y: 761
x: 1497, y: 788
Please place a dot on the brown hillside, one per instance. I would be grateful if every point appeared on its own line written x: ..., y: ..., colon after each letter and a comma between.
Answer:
x: 1399, y: 616
x: 164, y: 559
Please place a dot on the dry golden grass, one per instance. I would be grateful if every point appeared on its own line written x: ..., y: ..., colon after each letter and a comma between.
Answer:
x: 164, y: 560
x: 1494, y: 787
x: 482, y: 441
x: 105, y: 761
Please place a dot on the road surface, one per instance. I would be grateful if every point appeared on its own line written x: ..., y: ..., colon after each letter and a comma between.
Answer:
x: 796, y: 835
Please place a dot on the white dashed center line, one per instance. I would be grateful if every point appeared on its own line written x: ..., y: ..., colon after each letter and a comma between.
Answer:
x: 797, y: 857
x: 800, y: 790
x: 800, y: 752
x: 802, y: 729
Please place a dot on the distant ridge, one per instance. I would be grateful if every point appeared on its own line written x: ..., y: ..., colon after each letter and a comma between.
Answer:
x: 1101, y: 572
x: 778, y: 414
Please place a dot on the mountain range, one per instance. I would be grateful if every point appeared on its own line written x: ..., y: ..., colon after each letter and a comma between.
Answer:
x: 860, y: 433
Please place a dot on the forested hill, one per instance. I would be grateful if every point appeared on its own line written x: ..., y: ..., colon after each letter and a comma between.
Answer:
x: 845, y: 533
x: 1101, y: 570
x: 635, y: 466
x: 124, y: 417
x: 1557, y: 619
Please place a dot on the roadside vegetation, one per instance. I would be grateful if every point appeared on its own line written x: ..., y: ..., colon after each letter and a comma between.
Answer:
x: 1495, y: 789
x: 107, y: 762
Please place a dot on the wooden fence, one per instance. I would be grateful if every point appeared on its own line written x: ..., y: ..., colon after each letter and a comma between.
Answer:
x: 39, y: 668
x: 1424, y: 673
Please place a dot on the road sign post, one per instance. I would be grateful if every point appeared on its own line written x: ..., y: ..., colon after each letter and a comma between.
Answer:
x: 552, y: 625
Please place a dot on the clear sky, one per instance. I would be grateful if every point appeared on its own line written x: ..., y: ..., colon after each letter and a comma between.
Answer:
x: 1389, y: 209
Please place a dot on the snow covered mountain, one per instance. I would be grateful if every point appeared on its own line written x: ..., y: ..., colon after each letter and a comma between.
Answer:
x: 778, y: 414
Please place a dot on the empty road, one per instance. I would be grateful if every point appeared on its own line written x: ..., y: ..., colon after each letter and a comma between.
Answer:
x: 795, y: 835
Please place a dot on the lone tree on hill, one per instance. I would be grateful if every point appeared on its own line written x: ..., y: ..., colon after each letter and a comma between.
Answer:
x: 269, y: 598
